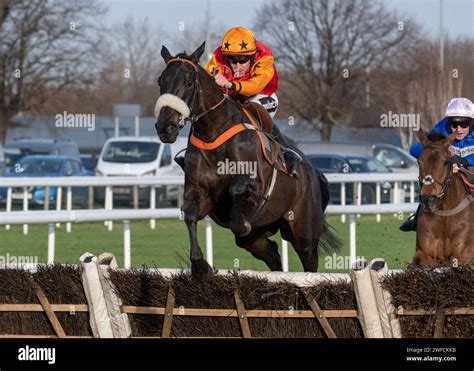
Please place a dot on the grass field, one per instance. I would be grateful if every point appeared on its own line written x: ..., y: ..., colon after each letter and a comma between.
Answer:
x: 167, y: 245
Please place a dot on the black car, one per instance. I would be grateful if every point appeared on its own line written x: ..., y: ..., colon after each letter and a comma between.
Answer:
x: 348, y: 163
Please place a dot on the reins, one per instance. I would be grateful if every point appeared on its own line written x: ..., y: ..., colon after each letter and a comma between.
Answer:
x: 193, y: 118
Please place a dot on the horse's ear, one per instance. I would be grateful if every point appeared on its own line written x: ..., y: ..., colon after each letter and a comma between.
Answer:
x: 448, y: 140
x: 165, y: 53
x: 198, y: 53
x: 423, y: 138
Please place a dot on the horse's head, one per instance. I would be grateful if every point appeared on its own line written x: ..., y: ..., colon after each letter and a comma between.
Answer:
x: 179, y: 92
x: 435, y: 169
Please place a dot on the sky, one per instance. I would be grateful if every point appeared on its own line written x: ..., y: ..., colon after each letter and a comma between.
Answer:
x: 458, y: 14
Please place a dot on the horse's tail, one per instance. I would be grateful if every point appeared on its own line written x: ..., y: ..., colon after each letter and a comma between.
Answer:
x: 328, y: 242
x: 324, y: 187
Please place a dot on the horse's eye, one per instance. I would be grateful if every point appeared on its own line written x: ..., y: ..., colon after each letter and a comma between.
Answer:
x: 189, y: 83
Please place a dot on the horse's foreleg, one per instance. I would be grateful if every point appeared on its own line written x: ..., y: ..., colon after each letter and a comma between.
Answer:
x: 239, y: 190
x: 261, y: 247
x: 193, y: 212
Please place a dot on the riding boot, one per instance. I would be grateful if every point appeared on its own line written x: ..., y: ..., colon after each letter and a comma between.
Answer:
x: 410, y: 223
x: 291, y: 157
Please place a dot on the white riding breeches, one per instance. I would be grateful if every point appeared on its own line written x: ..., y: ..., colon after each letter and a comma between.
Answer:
x: 269, y: 102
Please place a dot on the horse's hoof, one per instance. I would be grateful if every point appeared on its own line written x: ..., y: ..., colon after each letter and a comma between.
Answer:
x: 201, y: 271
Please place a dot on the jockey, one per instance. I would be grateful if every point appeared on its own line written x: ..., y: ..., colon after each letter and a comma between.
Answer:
x: 459, y: 119
x: 246, y: 68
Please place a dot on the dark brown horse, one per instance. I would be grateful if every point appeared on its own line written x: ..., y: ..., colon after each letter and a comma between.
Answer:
x: 295, y: 207
x: 445, y: 228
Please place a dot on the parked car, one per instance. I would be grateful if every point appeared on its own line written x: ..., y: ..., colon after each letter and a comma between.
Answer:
x: 352, y: 163
x: 139, y: 156
x: 18, y: 148
x: 395, y: 158
x: 46, y: 166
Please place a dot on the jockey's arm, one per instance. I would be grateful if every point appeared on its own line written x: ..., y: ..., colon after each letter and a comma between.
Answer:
x: 262, y: 73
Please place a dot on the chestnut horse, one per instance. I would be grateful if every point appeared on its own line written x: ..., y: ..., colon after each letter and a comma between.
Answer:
x: 240, y: 202
x: 445, y: 229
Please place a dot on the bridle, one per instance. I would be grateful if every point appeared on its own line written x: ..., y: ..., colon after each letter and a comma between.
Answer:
x: 197, y: 88
x: 428, y: 180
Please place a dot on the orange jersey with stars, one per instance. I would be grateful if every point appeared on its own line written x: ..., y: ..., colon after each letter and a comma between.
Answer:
x: 262, y: 77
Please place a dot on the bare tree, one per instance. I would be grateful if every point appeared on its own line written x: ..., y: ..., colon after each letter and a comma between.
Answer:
x: 326, y: 50
x: 135, y: 50
x: 189, y: 39
x: 46, y: 44
x: 127, y: 66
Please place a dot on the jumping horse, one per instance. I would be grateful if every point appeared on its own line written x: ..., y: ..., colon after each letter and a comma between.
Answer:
x: 446, y: 217
x: 253, y: 207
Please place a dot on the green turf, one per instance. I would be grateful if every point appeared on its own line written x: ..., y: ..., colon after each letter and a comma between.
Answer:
x: 167, y: 245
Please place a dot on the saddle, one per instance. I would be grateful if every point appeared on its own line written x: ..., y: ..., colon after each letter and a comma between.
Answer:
x: 271, y: 148
x: 261, y: 115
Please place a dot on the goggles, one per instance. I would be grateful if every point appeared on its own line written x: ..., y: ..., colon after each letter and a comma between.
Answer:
x: 240, y: 59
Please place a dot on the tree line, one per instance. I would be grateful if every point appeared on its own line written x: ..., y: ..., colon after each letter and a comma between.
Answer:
x: 341, y: 63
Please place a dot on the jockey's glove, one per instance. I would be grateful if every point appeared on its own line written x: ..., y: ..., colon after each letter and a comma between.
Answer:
x: 459, y: 161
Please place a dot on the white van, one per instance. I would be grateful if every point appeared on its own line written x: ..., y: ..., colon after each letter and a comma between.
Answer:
x: 139, y: 156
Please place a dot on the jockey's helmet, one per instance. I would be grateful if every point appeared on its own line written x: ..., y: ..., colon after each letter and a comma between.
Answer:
x: 460, y: 110
x: 239, y: 42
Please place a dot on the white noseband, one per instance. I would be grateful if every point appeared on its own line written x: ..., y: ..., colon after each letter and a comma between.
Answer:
x: 174, y: 102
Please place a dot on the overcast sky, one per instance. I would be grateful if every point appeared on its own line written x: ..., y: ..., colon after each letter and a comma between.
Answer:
x: 458, y: 14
